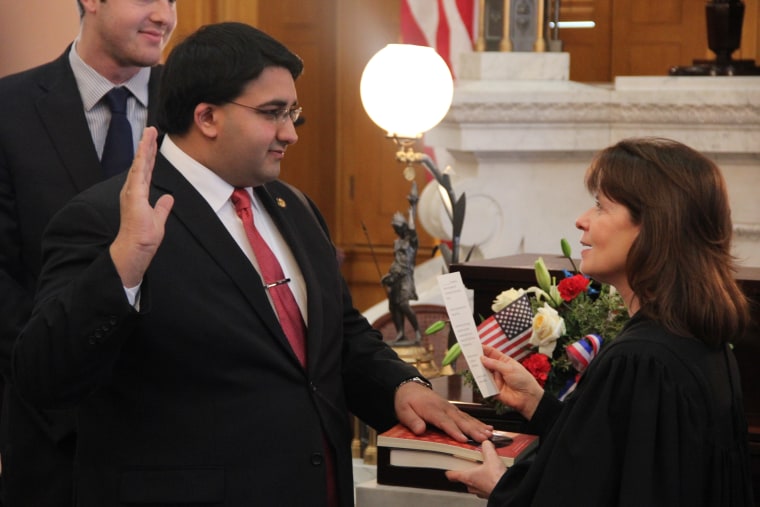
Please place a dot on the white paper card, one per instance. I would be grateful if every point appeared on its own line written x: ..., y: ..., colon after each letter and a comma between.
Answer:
x: 463, y: 325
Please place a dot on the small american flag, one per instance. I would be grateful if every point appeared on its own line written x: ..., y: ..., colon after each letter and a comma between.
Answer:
x: 509, y: 330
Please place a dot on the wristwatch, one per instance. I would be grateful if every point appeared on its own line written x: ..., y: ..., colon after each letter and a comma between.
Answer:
x: 416, y: 380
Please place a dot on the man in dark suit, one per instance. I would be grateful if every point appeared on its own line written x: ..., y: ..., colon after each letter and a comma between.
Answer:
x: 51, y: 139
x: 154, y: 319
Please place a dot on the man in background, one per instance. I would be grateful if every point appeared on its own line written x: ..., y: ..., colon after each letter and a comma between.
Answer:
x: 55, y: 123
x: 195, y: 314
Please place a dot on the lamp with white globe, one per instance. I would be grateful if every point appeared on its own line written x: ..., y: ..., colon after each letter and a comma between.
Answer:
x: 407, y: 90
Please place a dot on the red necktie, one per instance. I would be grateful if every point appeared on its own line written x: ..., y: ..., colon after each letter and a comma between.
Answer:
x: 274, y: 279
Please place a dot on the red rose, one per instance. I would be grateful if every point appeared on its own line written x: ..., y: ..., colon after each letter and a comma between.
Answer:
x: 569, y: 288
x: 538, y: 365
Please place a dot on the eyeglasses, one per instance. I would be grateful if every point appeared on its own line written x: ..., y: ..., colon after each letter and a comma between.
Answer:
x: 276, y: 115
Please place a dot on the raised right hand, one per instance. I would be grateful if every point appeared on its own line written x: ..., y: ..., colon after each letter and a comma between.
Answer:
x: 142, y: 226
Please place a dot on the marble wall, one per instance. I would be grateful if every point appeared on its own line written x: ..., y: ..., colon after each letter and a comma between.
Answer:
x: 519, y: 136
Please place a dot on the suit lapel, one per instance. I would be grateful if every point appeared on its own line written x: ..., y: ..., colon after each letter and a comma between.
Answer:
x: 61, y: 111
x: 202, y: 223
x: 285, y: 210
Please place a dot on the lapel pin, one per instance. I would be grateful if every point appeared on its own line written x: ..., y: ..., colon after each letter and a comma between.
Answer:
x: 281, y: 202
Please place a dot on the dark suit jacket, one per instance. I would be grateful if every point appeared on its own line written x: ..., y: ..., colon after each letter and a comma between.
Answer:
x: 198, y: 397
x: 46, y: 157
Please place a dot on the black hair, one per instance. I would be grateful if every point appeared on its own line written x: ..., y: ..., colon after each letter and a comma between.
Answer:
x: 214, y: 65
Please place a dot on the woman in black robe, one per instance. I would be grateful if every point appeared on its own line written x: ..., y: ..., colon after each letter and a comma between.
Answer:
x: 657, y: 418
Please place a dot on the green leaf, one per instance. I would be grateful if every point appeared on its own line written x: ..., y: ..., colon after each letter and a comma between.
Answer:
x: 435, y: 327
x: 454, y: 352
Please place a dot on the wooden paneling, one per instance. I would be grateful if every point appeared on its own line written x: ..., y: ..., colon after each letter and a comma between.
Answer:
x: 589, y: 48
x: 235, y: 10
x: 361, y: 268
x: 308, y: 29
x: 365, y: 157
x: 650, y: 36
x: 192, y: 14
x: 750, y: 43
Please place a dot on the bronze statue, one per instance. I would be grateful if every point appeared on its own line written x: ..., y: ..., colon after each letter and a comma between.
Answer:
x: 399, y: 282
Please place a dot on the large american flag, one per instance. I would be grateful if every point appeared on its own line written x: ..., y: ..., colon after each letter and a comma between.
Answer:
x: 448, y: 26
x: 509, y: 330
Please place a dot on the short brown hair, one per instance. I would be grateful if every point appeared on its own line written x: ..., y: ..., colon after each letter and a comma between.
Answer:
x: 680, y: 266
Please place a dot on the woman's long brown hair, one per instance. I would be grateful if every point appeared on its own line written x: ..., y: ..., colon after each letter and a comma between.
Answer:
x: 680, y: 266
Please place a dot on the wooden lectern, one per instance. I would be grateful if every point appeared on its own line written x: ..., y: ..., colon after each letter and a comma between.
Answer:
x: 487, y: 278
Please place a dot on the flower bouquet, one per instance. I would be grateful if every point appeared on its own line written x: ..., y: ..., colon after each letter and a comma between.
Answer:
x: 564, y: 325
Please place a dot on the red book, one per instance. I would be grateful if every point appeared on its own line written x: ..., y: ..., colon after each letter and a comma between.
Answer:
x: 435, y: 449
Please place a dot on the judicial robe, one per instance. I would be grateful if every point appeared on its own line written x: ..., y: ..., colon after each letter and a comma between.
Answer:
x: 656, y: 419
